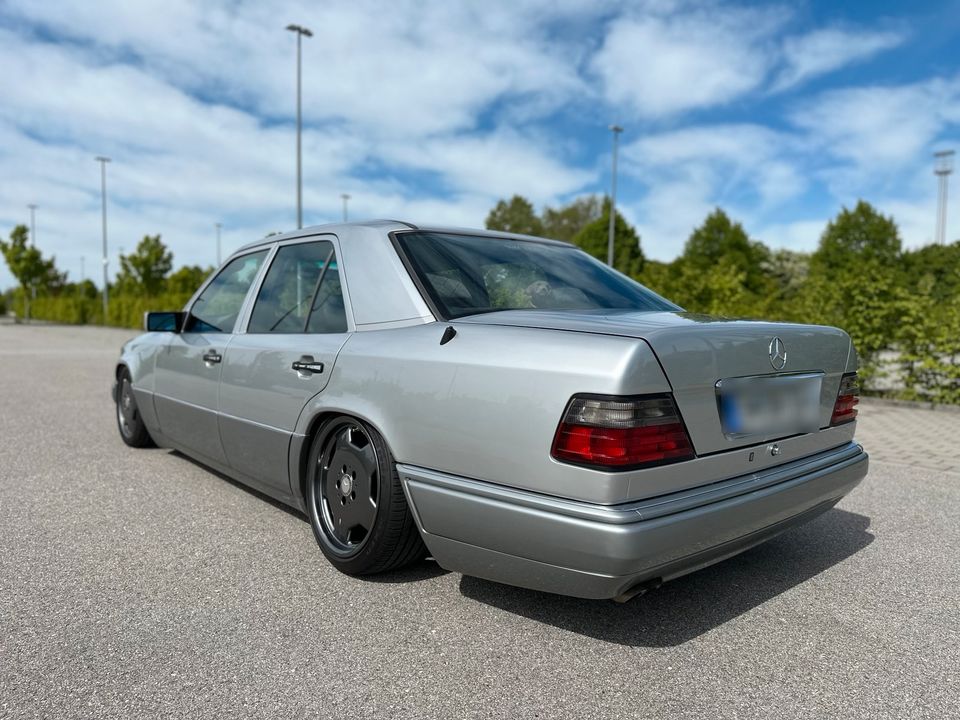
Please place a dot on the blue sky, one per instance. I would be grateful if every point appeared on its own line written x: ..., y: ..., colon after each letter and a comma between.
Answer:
x: 431, y: 111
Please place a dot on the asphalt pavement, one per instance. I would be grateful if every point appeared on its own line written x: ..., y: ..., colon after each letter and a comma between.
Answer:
x: 137, y: 583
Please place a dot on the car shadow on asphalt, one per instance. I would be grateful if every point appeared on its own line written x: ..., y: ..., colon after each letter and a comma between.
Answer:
x: 697, y: 603
x: 422, y: 570
x: 240, y: 486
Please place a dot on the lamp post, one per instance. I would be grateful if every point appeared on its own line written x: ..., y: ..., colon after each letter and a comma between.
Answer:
x: 616, y: 130
x: 33, y: 241
x: 942, y: 169
x: 301, y: 32
x: 33, y: 223
x: 345, y: 197
x: 218, y: 226
x: 103, y: 203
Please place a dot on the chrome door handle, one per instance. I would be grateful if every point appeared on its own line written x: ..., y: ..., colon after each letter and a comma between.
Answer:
x: 306, y: 365
x: 212, y: 357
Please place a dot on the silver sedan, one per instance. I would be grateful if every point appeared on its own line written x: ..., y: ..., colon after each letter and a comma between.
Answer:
x: 506, y: 404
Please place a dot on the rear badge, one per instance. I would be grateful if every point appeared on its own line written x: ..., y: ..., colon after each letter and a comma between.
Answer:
x: 778, y: 354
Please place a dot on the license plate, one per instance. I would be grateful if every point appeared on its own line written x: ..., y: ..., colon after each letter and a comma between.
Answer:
x: 770, y: 405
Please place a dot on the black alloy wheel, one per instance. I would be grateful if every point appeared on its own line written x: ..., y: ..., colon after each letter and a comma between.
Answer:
x: 133, y: 431
x: 357, y: 509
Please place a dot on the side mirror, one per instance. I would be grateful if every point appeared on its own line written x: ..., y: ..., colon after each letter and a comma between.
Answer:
x: 163, y: 321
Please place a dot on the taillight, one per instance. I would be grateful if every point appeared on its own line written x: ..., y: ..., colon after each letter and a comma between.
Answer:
x: 622, y: 433
x: 845, y: 408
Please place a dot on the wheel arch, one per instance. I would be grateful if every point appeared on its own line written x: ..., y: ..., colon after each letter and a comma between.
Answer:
x: 314, y: 423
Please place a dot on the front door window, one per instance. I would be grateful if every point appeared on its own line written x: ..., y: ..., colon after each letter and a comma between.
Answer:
x: 219, y: 304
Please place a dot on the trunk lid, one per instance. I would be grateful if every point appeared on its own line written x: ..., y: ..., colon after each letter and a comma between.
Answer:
x: 696, y: 351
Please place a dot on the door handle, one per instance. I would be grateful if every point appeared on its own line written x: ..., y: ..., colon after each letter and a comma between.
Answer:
x: 307, y: 366
x: 212, y: 357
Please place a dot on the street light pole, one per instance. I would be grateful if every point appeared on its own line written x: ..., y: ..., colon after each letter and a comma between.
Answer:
x: 103, y: 203
x: 218, y: 243
x: 33, y: 241
x: 301, y: 32
x: 616, y: 129
x: 33, y: 223
x: 942, y: 169
x: 345, y: 197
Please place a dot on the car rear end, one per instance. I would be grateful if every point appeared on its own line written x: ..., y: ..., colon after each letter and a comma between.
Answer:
x: 682, y: 441
x: 732, y: 452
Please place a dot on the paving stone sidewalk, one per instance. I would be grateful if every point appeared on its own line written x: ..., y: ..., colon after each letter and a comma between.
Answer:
x: 917, y: 437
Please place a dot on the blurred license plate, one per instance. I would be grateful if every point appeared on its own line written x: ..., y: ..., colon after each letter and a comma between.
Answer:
x: 770, y: 405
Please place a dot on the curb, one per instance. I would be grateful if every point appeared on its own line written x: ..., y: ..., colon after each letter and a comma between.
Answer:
x: 911, y: 404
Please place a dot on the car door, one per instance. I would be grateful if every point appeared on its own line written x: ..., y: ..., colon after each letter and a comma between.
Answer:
x: 188, y: 369
x: 298, y: 323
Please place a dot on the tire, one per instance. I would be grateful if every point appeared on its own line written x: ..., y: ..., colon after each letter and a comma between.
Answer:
x: 133, y: 431
x: 359, y: 515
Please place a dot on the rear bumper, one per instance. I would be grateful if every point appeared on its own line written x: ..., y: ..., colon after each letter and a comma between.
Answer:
x: 599, y: 551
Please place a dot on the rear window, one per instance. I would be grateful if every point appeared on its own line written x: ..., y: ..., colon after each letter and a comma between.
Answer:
x: 472, y: 274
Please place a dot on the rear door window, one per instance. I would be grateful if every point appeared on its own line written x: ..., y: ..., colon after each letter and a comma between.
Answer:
x: 301, y: 292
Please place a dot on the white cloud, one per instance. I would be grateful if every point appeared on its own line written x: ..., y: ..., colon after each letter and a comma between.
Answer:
x: 750, y: 170
x: 399, y: 69
x: 913, y: 204
x: 798, y: 235
x: 433, y: 110
x: 822, y: 51
x: 739, y: 159
x: 500, y: 163
x: 866, y: 138
x: 183, y: 161
x: 655, y: 65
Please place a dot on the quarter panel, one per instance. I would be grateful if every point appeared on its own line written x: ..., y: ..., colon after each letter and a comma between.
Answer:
x: 486, y: 405
x: 698, y: 350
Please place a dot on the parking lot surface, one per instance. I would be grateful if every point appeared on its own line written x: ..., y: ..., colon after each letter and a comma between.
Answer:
x: 138, y: 583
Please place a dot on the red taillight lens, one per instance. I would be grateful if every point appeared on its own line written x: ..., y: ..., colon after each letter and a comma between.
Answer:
x: 845, y: 408
x: 622, y: 433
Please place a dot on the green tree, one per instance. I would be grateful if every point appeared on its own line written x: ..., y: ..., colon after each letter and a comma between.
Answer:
x: 721, y: 271
x: 788, y: 270
x: 722, y: 291
x: 656, y: 275
x: 934, y: 270
x: 515, y: 216
x: 861, y: 234
x: 145, y: 270
x: 928, y: 340
x: 85, y: 289
x: 187, y: 279
x: 29, y: 267
x: 565, y: 222
x: 594, y: 238
x: 718, y: 239
x: 856, y: 283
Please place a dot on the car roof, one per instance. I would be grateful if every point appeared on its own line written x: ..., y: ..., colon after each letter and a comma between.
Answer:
x: 389, y: 225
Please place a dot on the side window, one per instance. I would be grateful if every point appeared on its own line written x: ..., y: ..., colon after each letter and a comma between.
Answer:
x: 219, y: 304
x: 301, y: 292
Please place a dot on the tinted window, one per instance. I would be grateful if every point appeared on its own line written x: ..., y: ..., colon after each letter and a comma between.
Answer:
x: 466, y: 275
x: 301, y: 292
x: 219, y: 304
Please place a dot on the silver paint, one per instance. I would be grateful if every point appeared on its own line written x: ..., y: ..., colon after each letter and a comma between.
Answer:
x: 482, y: 410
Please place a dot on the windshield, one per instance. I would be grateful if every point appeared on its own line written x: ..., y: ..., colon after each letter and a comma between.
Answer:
x: 470, y: 274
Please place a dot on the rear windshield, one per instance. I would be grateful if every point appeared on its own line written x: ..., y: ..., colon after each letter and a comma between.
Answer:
x: 471, y: 274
